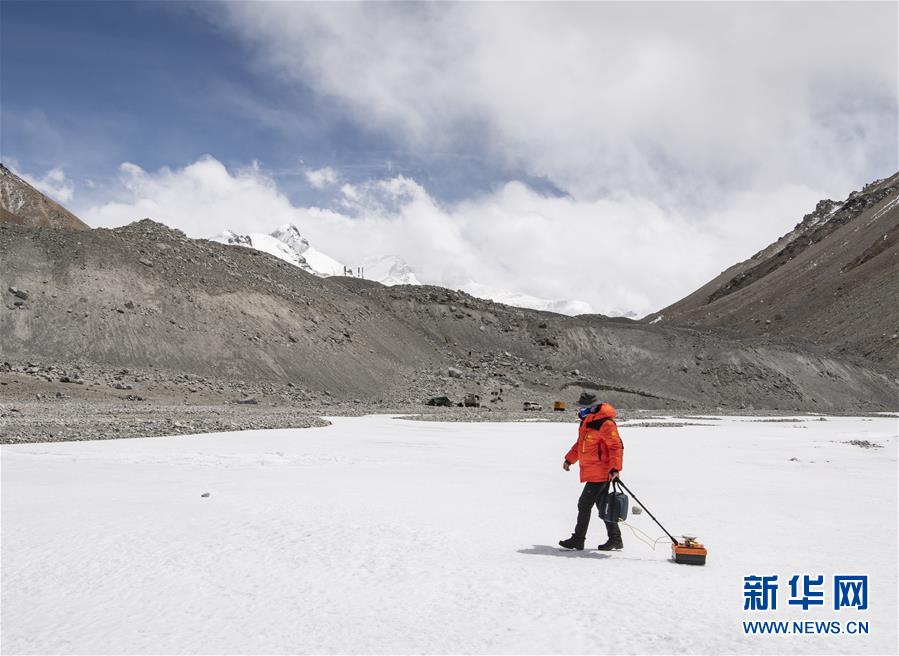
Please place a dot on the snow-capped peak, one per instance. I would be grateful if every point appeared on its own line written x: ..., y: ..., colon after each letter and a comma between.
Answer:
x: 289, y: 244
x: 321, y: 264
x: 266, y: 244
x: 388, y: 270
x: 231, y: 237
x: 290, y: 235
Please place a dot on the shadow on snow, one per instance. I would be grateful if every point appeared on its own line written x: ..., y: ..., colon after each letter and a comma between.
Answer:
x: 559, y: 552
x: 546, y: 550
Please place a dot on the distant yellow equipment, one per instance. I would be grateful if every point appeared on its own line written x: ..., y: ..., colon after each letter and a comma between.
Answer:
x: 559, y: 406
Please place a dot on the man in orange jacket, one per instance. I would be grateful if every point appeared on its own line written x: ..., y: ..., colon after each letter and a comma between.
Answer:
x: 600, y: 452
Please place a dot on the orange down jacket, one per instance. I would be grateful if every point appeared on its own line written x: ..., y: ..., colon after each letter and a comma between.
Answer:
x: 598, y: 448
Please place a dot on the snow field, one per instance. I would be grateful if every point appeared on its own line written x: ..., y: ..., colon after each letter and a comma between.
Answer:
x: 381, y: 535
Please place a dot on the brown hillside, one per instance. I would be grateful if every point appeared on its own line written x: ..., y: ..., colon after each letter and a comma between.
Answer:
x: 833, y: 281
x: 22, y: 204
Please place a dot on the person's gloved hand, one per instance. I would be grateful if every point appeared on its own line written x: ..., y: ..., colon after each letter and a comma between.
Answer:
x: 566, y: 465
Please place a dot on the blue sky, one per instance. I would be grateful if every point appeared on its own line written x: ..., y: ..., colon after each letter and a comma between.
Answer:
x: 88, y: 85
x: 498, y: 147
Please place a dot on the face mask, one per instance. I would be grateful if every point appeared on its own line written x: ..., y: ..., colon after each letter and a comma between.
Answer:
x: 583, y: 412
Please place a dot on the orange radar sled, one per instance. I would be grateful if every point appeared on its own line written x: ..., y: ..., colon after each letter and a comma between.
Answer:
x: 688, y: 551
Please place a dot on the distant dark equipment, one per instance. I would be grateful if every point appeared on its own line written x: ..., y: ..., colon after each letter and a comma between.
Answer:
x: 472, y: 401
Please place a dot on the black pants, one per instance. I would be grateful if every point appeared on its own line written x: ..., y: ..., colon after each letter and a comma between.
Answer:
x: 593, y: 496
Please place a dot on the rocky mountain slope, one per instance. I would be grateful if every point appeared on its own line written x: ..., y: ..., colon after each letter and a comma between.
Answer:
x: 146, y: 300
x: 833, y: 281
x: 142, y: 331
x: 22, y: 204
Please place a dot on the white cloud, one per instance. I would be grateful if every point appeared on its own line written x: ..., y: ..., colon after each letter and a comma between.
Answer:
x: 54, y: 183
x: 321, y: 178
x: 349, y: 194
x: 680, y: 102
x: 202, y: 199
x: 685, y: 136
x: 617, y: 254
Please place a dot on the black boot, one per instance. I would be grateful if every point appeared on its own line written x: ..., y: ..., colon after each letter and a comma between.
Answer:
x: 574, y: 542
x: 612, y: 544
